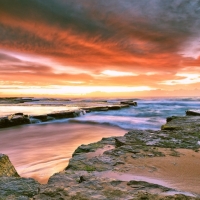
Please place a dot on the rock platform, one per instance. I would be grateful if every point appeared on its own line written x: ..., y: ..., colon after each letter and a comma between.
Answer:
x: 21, y: 119
x: 131, y: 167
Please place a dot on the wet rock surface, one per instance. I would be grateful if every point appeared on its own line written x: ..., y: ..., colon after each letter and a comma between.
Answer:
x: 14, y: 120
x: 105, y: 170
x: 21, y: 119
x: 185, y: 123
x: 131, y: 103
x: 193, y: 112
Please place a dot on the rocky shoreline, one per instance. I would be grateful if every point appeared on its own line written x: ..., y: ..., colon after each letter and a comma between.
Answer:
x: 17, y: 119
x: 142, y: 164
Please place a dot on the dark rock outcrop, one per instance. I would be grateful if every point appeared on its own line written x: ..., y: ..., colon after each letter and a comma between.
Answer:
x: 192, y: 113
x: 42, y: 118
x: 14, y: 120
x: 131, y: 103
x: 20, y: 119
x: 60, y: 115
x: 105, y: 107
x: 66, y: 114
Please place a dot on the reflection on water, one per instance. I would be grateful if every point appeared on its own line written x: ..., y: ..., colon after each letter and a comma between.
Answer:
x: 129, y: 177
x: 32, y: 110
x: 41, y: 150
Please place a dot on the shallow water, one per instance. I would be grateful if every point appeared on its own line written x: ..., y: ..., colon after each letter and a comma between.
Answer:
x: 40, y: 150
x: 129, y: 177
x: 150, y: 113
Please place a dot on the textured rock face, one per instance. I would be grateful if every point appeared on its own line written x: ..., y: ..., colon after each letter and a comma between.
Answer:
x: 6, y: 167
x: 186, y: 123
x: 13, y: 188
x: 86, y: 186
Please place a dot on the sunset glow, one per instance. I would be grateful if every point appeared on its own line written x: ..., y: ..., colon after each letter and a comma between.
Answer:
x: 82, y: 47
x: 117, y: 73
x: 73, y: 90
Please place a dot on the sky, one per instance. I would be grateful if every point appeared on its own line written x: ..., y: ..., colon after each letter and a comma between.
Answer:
x: 99, y: 48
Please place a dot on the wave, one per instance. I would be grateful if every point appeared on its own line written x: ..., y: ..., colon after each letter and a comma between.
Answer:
x: 127, y: 123
x: 150, y: 113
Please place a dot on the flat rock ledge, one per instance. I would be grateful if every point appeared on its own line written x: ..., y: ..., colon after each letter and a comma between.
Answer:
x: 105, y: 170
x: 21, y: 119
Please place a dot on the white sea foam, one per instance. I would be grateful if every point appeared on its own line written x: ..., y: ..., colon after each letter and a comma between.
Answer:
x: 150, y: 113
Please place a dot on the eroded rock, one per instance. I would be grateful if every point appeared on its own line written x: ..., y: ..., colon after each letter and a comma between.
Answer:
x: 13, y: 187
x: 87, y: 175
x: 6, y: 167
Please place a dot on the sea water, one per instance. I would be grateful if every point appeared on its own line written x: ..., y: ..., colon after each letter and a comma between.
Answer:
x: 150, y: 113
x: 40, y: 150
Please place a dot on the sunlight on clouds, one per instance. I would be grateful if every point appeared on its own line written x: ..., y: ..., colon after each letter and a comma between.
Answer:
x: 59, y: 69
x: 117, y: 73
x: 187, y: 79
x: 75, y: 90
x: 25, y: 58
x: 150, y: 73
x: 89, y: 89
x: 191, y: 48
x: 75, y: 82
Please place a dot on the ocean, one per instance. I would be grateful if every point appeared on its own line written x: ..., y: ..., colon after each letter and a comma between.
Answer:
x: 150, y: 113
x: 42, y: 149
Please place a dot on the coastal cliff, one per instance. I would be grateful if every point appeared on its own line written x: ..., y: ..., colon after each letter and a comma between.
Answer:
x: 142, y: 164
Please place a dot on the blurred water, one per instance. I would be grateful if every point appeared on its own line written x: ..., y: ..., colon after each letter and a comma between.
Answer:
x: 41, y: 150
x: 150, y: 113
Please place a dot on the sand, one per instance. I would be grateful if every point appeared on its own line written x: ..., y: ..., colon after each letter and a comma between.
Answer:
x: 181, y: 173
